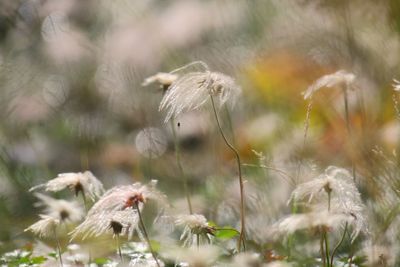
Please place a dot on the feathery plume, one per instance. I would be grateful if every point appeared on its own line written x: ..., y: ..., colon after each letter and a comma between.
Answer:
x: 45, y: 227
x: 338, y: 187
x: 123, y: 222
x: 127, y: 196
x: 85, y: 183
x: 192, y: 90
x: 330, y: 80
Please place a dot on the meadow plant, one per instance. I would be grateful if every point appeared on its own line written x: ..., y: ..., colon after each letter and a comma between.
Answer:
x: 190, y: 92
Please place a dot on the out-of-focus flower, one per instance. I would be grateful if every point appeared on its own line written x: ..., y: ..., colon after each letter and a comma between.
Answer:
x: 311, y: 220
x: 396, y: 85
x: 192, y: 90
x: 64, y: 211
x: 86, y: 183
x: 151, y: 142
x: 162, y: 78
x: 337, y: 189
x: 45, y: 227
x: 330, y: 80
x: 124, y: 222
x: 201, y: 256
x: 246, y: 259
x: 195, y: 226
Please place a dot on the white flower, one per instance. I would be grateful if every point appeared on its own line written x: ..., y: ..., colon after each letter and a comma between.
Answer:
x: 164, y: 79
x: 45, y: 227
x: 396, y: 85
x: 330, y: 80
x: 85, y: 182
x: 334, y: 190
x: 124, y: 222
x: 61, y: 209
x: 192, y: 90
x: 195, y: 226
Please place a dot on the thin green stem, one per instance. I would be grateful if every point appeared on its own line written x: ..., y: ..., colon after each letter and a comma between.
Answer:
x: 242, y: 206
x: 180, y: 167
x: 119, y: 248
x: 146, y: 236
x: 321, y: 246
x: 198, y: 240
x: 58, y: 246
x: 326, y: 239
x: 339, y: 244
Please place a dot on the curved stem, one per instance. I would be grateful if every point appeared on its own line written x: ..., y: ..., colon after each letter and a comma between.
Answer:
x: 179, y: 163
x: 339, y: 244
x: 146, y: 235
x: 242, y: 208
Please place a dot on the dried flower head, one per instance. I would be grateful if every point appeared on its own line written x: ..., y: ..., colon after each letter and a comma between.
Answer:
x: 162, y: 78
x: 123, y: 222
x: 335, y: 191
x: 85, y: 183
x: 128, y: 196
x: 192, y: 90
x: 195, y: 226
x: 309, y: 220
x: 338, y: 78
x: 45, y: 227
x: 64, y: 211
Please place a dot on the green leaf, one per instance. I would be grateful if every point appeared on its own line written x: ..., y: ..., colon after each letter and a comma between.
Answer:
x: 226, y: 233
x: 38, y: 260
x: 101, y: 261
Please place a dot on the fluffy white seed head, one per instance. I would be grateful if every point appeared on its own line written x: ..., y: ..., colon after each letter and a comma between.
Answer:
x: 123, y: 222
x: 338, y: 185
x: 195, y: 226
x: 192, y: 90
x: 126, y: 196
x: 45, y: 227
x: 84, y: 182
x: 331, y: 80
x: 296, y: 222
x: 62, y: 210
